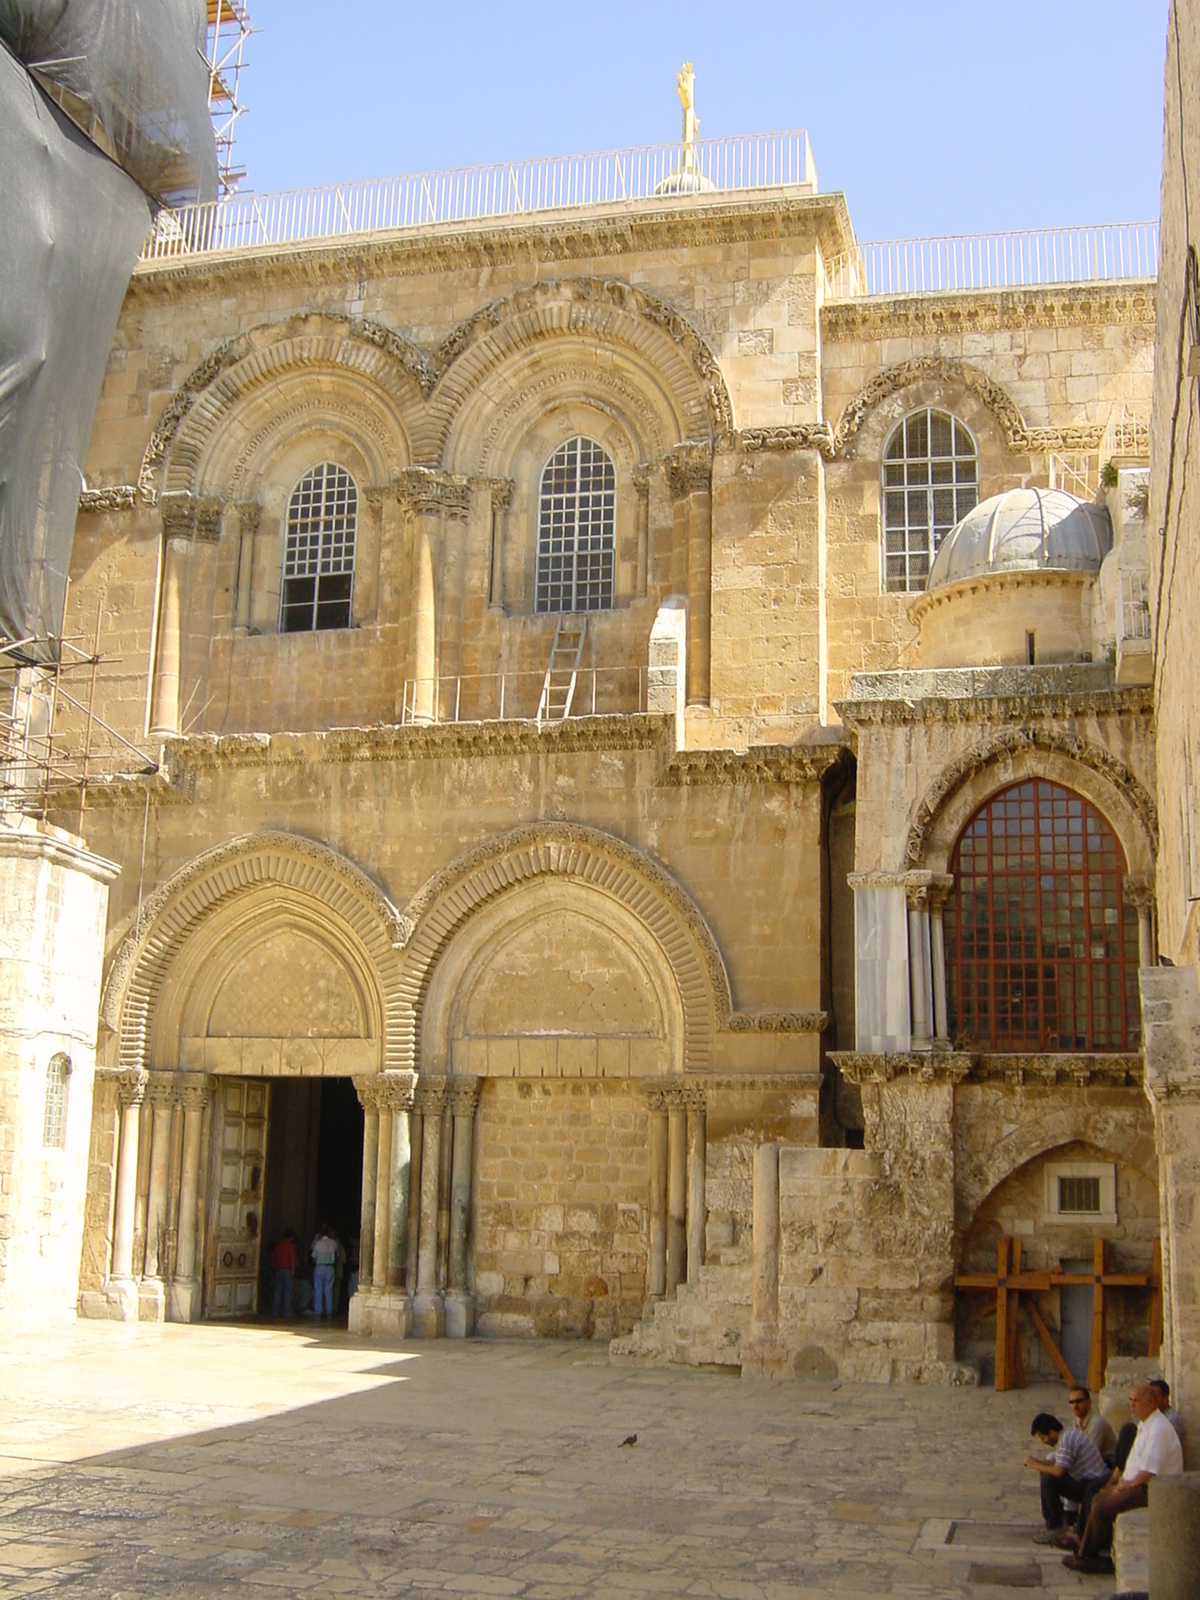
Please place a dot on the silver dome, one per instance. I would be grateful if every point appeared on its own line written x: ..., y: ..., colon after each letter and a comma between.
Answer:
x: 1024, y: 530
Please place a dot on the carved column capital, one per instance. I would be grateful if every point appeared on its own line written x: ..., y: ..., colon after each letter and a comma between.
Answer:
x: 502, y: 490
x: 193, y: 1090
x: 429, y: 1099
x: 367, y: 1089
x: 187, y: 517
x: 689, y: 469
x: 131, y: 1087
x: 395, y: 1091
x: 426, y: 492
x: 1140, y: 891
x: 161, y: 1088
x: 640, y: 478
x: 463, y: 1095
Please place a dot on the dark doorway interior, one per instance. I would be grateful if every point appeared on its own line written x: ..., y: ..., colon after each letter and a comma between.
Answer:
x: 314, y: 1165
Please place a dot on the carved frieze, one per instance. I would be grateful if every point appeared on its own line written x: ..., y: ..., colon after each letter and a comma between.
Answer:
x: 117, y: 497
x: 186, y: 517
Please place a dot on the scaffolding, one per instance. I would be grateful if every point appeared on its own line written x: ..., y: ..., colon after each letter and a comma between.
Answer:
x: 54, y: 746
x: 228, y: 29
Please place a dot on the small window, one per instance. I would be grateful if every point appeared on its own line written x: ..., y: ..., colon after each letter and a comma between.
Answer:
x: 1081, y: 1191
x: 318, y: 561
x: 54, y: 1118
x: 576, y: 529
x: 930, y: 482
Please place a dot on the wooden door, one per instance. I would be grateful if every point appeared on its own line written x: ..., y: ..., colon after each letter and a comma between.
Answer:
x: 240, y: 1143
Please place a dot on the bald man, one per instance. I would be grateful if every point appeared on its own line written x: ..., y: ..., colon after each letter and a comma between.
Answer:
x: 1156, y: 1453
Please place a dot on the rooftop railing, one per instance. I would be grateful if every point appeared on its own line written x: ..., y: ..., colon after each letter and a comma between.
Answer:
x: 472, y: 194
x: 1031, y: 258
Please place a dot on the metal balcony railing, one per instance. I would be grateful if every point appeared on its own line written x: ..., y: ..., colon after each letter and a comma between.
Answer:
x: 1027, y: 259
x: 515, y: 696
x: 503, y: 189
x: 1135, y: 606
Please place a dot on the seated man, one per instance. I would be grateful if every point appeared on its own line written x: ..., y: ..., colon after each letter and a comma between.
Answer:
x: 1075, y: 1472
x: 1156, y: 1453
x: 1162, y: 1394
x: 1092, y: 1423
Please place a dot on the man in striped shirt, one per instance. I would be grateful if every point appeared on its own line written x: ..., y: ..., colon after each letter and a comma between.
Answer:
x: 1075, y: 1471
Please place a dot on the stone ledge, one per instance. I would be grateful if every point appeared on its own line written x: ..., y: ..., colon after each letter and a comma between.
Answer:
x: 1131, y: 1552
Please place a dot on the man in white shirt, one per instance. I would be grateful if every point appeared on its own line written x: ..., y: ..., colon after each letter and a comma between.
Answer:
x: 1156, y: 1453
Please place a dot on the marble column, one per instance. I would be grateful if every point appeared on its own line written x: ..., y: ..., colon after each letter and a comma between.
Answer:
x: 398, y: 1188
x: 937, y: 957
x: 164, y: 719
x: 416, y: 1126
x: 249, y: 514
x: 383, y: 1191
x: 641, y: 485
x: 1140, y: 894
x: 429, y: 1315
x: 918, y: 968
x: 689, y: 478
x: 185, y: 1286
x: 697, y: 1153
x: 676, y: 1191
x: 426, y: 542
x: 160, y: 1094
x: 502, y: 491
x: 121, y: 1288
x: 369, y: 1100
x: 460, y: 1302
x: 765, y: 1285
x: 656, y: 1267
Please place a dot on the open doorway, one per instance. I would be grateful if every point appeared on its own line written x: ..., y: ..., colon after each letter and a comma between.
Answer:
x: 313, y: 1176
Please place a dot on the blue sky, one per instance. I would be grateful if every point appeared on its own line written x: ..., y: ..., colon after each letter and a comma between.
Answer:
x: 934, y: 117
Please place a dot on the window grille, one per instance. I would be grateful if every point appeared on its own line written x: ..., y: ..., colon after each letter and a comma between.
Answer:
x: 1041, y: 949
x: 318, y: 562
x: 576, y: 529
x: 930, y: 482
x: 1078, y: 1194
x: 54, y: 1117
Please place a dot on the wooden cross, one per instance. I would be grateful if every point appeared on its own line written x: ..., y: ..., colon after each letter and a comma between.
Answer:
x: 1009, y: 1282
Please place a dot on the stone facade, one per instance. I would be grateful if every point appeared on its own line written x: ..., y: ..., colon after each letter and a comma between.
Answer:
x: 584, y: 971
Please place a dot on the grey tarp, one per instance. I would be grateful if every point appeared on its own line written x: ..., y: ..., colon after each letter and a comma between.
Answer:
x: 71, y: 224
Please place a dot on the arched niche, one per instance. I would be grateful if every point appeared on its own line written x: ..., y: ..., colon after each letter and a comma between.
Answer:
x: 550, y: 961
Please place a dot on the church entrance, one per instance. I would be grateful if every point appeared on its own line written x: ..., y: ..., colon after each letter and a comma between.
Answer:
x: 291, y: 1151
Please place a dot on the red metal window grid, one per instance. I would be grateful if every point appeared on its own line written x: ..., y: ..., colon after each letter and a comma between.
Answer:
x: 1041, y: 949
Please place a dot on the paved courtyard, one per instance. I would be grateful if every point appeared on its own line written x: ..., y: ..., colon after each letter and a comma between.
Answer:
x: 220, y: 1460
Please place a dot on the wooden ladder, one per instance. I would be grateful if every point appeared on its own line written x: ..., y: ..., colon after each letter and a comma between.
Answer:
x: 558, y: 688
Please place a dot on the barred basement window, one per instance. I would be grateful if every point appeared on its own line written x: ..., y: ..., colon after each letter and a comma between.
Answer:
x: 318, y: 561
x: 930, y: 482
x: 1078, y: 1194
x: 576, y: 529
x: 54, y: 1117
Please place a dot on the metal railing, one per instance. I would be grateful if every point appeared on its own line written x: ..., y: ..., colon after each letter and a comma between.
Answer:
x: 1135, y: 606
x: 1027, y: 259
x: 503, y: 189
x: 514, y: 696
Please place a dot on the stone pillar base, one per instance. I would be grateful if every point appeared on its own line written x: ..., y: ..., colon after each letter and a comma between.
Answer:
x: 380, y: 1315
x: 183, y: 1300
x: 460, y: 1314
x: 116, y: 1302
x: 151, y: 1300
x: 764, y: 1356
x: 428, y: 1316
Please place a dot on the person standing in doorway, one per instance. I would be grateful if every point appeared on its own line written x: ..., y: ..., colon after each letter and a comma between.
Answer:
x: 283, y: 1259
x: 324, y: 1255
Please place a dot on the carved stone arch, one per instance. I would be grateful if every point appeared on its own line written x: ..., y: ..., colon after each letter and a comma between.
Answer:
x: 303, y: 869
x: 608, y: 866
x: 629, y: 320
x: 1052, y: 1123
x: 1033, y: 752
x: 969, y: 380
x: 387, y: 364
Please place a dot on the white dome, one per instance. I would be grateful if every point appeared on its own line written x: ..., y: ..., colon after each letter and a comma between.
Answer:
x: 1024, y: 530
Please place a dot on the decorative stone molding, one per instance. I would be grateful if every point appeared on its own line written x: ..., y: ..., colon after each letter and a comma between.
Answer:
x: 423, y: 492
x: 118, y: 497
x: 1020, y: 437
x: 501, y: 490
x: 921, y: 887
x: 1010, y: 583
x: 624, y: 874
x: 790, y: 436
x: 792, y: 764
x: 317, y: 407
x: 688, y: 468
x: 948, y: 1066
x: 776, y: 1022
x: 988, y: 311
x: 174, y: 911
x: 1140, y: 891
x: 614, y: 391
x: 1003, y: 746
x: 186, y: 516
x: 1066, y: 1068
x: 640, y: 478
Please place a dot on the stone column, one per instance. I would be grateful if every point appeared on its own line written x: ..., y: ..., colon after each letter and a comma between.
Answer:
x: 421, y: 491
x: 416, y: 1125
x: 918, y: 968
x: 383, y: 1191
x: 249, y: 513
x: 765, y: 1306
x: 697, y: 1152
x: 121, y: 1288
x: 641, y: 487
x: 398, y: 1191
x: 937, y: 957
x: 368, y: 1096
x: 502, y: 491
x: 185, y: 1287
x: 1171, y: 1027
x: 689, y: 476
x: 676, y: 1190
x: 429, y: 1317
x: 164, y: 719
x: 656, y: 1267
x: 460, y: 1302
x: 160, y: 1094
x: 1140, y: 893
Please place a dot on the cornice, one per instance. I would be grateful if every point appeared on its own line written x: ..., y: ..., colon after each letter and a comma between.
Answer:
x: 989, y: 310
x: 1002, y: 704
x: 768, y: 763
x: 690, y: 1091
x: 934, y: 1067
x: 32, y: 841
x: 1070, y: 1069
x: 618, y: 231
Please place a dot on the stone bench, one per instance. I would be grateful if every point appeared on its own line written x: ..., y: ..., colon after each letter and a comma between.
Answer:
x: 1131, y: 1552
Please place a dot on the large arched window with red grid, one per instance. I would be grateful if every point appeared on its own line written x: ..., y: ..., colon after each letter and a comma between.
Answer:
x: 1041, y: 948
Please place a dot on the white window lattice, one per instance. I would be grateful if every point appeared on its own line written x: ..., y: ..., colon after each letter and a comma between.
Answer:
x: 576, y: 529
x: 54, y: 1117
x: 930, y: 482
x: 318, y: 561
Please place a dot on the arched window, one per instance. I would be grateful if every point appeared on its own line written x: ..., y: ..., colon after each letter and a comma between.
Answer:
x: 576, y: 529
x: 54, y: 1116
x: 930, y: 482
x: 1041, y: 949
x: 318, y: 558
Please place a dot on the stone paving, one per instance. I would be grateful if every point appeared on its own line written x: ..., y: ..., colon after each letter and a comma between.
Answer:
x: 219, y: 1460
